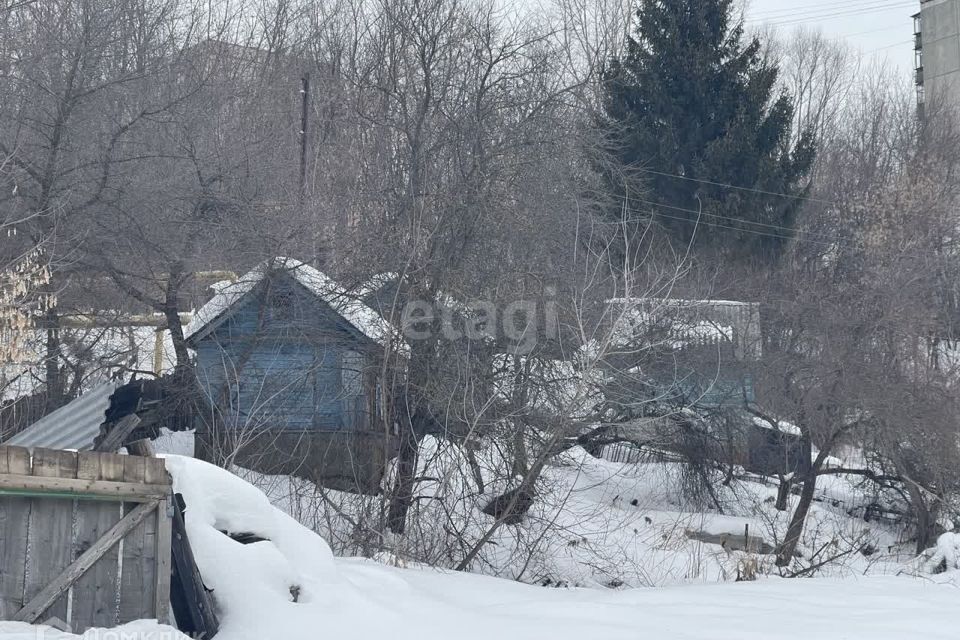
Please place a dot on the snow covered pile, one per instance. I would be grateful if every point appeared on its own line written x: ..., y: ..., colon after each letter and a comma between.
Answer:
x: 945, y: 556
x: 253, y: 583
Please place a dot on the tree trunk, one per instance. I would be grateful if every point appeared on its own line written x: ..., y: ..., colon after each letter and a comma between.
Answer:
x: 172, y: 316
x: 783, y: 492
x: 521, y: 379
x: 413, y: 408
x: 787, y: 548
x: 520, y: 460
x: 171, y: 313
x: 55, y: 383
x: 401, y: 496
x: 475, y: 469
x: 926, y: 516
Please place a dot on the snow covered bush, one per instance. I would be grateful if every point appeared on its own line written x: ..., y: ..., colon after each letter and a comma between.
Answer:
x: 945, y: 556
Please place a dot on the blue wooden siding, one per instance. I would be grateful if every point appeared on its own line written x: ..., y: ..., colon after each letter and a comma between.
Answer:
x: 278, y: 361
x: 719, y: 391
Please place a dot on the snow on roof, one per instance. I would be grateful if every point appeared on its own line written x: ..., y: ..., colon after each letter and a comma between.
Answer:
x: 375, y: 283
x: 689, y: 322
x: 781, y: 426
x: 683, y: 302
x: 360, y: 316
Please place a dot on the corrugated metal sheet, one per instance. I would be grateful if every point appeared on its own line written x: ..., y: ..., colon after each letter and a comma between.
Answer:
x: 72, y: 426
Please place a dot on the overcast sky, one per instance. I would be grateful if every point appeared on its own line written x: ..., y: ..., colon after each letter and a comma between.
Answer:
x: 879, y: 29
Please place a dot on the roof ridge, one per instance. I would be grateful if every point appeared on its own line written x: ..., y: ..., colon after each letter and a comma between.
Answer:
x: 360, y: 316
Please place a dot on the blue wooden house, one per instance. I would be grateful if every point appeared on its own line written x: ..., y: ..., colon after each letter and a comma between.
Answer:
x: 288, y: 362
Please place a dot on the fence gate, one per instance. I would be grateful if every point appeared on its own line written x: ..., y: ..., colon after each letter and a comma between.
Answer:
x: 84, y: 538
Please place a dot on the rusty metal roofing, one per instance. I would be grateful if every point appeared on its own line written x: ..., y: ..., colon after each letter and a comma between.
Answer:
x: 73, y: 426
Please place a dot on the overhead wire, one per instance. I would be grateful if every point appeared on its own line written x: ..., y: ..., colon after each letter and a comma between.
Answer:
x: 814, y: 7
x: 836, y: 241
x: 813, y: 13
x: 733, y: 186
x: 838, y: 14
x: 821, y: 238
x: 769, y: 230
x: 847, y: 10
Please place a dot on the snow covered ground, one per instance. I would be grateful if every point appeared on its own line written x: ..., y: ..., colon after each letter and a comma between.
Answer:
x: 291, y: 587
x: 597, y: 523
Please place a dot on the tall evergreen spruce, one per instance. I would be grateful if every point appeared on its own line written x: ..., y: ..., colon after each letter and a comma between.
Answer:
x: 696, y: 122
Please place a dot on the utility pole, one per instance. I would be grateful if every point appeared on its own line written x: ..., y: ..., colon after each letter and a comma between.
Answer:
x: 305, y: 104
x: 318, y: 256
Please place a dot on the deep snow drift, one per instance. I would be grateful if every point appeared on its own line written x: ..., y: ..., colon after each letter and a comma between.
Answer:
x: 291, y: 587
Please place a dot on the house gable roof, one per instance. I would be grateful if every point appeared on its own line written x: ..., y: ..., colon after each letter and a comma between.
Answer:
x: 358, y: 315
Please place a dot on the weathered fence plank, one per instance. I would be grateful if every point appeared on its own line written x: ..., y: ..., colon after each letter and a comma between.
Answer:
x: 192, y: 604
x: 14, y: 519
x: 164, y: 554
x: 51, y: 531
x: 14, y: 522
x: 138, y: 581
x: 84, y: 489
x: 155, y: 472
x: 95, y: 594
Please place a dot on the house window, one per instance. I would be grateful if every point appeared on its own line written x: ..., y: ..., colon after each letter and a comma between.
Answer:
x: 351, y: 373
x: 281, y: 305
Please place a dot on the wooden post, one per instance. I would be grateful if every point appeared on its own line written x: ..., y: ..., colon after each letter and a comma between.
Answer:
x: 141, y: 448
x: 114, y: 439
x: 163, y: 553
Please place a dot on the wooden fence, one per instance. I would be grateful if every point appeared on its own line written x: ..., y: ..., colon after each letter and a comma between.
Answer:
x: 626, y: 453
x: 84, y: 537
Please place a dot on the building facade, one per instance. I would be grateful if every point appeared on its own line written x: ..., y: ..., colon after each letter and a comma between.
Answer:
x: 937, y: 45
x: 288, y: 364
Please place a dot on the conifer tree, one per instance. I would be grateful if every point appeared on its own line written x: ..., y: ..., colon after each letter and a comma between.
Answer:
x: 695, y: 120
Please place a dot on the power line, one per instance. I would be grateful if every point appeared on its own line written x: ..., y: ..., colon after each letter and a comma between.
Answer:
x: 825, y: 239
x: 738, y: 229
x: 852, y: 7
x: 813, y: 11
x: 733, y: 186
x: 889, y: 46
x: 838, y: 14
x: 840, y: 240
x: 813, y: 7
x: 899, y: 27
